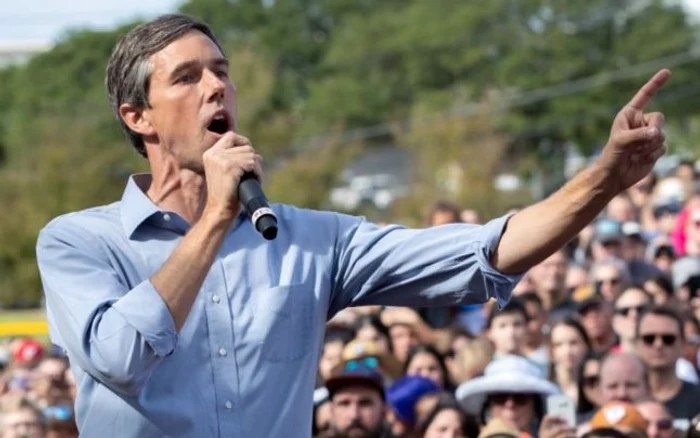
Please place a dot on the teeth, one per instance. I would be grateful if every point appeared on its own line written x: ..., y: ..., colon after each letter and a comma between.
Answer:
x: 219, y: 117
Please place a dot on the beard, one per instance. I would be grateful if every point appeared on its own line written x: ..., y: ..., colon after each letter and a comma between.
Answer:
x: 358, y: 430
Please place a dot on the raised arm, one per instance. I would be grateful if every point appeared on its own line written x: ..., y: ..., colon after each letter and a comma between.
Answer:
x: 636, y: 142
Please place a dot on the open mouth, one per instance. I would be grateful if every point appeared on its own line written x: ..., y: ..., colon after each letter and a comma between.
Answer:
x: 219, y: 124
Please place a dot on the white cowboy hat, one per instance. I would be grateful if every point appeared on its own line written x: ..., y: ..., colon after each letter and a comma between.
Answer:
x: 509, y: 374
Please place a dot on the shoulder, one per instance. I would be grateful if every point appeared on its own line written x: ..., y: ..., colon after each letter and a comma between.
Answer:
x: 83, y: 225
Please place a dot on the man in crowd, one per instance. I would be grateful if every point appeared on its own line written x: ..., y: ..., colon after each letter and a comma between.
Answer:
x: 174, y: 280
x: 660, y: 343
x: 623, y: 377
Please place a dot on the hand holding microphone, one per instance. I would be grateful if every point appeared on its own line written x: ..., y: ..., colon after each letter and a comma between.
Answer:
x: 233, y: 171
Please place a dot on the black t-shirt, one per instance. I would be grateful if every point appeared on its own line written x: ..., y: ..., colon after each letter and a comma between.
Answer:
x: 686, y: 404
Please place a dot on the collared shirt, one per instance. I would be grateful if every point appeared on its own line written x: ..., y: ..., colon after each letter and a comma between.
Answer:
x: 245, y: 361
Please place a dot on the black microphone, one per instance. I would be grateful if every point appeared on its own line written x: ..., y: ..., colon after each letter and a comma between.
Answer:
x: 250, y: 194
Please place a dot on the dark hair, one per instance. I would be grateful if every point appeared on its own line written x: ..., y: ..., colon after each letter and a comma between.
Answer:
x: 664, y: 283
x: 514, y: 306
x: 578, y: 327
x: 470, y: 427
x: 665, y: 311
x: 338, y: 334
x: 531, y: 297
x: 443, y: 206
x: 427, y: 349
x: 583, y: 404
x: 376, y: 323
x: 128, y: 74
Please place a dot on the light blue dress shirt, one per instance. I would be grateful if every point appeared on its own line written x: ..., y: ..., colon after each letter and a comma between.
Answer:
x: 244, y: 364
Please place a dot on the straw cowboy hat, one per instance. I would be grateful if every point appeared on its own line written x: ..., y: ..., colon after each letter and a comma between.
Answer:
x: 509, y: 374
x: 359, y: 350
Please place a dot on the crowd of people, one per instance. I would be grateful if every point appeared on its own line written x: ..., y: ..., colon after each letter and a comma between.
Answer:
x: 611, y: 321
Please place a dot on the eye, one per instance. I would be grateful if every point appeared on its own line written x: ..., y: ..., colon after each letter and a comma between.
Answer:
x: 222, y: 73
x: 186, y: 78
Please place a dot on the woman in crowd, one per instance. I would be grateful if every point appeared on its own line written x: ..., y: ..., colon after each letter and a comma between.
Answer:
x: 568, y: 345
x: 627, y: 309
x: 588, y: 384
x: 446, y: 420
x: 425, y: 361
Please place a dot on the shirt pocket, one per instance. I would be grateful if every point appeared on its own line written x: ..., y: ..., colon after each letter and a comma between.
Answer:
x: 285, y: 314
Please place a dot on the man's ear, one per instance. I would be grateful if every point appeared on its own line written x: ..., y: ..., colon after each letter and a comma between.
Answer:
x: 137, y: 119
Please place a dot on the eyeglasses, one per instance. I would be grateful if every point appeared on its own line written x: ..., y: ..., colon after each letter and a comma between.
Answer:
x: 625, y: 311
x: 518, y: 399
x: 368, y: 362
x: 591, y: 381
x: 650, y: 339
x: 611, y: 281
x: 665, y: 424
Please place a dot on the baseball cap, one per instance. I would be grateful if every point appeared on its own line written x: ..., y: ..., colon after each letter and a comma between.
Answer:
x: 356, y: 372
x: 608, y: 230
x: 621, y: 416
x: 684, y: 269
x: 27, y: 351
x: 405, y: 392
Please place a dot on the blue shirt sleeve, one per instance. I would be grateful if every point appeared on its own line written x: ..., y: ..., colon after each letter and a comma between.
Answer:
x: 115, y: 333
x: 437, y: 266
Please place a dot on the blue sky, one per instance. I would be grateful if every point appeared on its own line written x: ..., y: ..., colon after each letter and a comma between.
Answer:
x: 46, y: 20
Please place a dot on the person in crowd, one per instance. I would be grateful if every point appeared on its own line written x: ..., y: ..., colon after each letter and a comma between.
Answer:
x: 446, y: 420
x: 402, y: 397
x: 357, y: 403
x: 512, y: 389
x: 607, y: 240
x: 621, y: 416
x: 660, y: 343
x: 659, y: 420
x: 332, y: 351
x: 506, y: 328
x: 371, y: 329
x: 535, y: 347
x: 596, y: 317
x: 549, y: 279
x: 624, y: 378
x: 471, y: 361
x: 661, y: 290
x: 22, y: 419
x: 610, y: 277
x: 568, y: 344
x: 425, y: 361
x: 589, y: 398
x: 627, y: 309
x: 621, y: 209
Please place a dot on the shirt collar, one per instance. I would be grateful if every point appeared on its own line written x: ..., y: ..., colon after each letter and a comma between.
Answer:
x: 136, y: 207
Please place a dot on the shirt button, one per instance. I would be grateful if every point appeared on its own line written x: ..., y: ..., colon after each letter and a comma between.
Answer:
x: 222, y: 352
x: 216, y: 299
x: 229, y: 405
x: 166, y: 217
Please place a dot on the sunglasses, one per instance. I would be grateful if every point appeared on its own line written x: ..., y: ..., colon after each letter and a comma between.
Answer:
x: 591, y: 381
x: 59, y: 413
x: 611, y: 281
x: 368, y: 362
x: 665, y: 424
x: 625, y: 311
x: 518, y: 399
x: 650, y: 339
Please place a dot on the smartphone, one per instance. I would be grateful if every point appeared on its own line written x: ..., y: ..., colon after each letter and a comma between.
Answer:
x: 561, y: 405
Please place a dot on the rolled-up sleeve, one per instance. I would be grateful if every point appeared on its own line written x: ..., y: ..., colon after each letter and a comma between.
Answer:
x: 116, y: 333
x: 398, y: 266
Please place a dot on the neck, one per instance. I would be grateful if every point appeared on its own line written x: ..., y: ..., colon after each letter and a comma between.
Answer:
x: 664, y: 383
x: 627, y: 345
x: 565, y: 377
x: 181, y: 191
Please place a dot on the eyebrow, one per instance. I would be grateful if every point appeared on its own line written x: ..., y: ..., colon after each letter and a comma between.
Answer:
x: 217, y: 62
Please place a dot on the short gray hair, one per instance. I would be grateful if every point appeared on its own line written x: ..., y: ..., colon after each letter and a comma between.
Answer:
x: 128, y: 74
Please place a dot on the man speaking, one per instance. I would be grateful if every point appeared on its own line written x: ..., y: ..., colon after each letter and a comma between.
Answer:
x: 181, y: 320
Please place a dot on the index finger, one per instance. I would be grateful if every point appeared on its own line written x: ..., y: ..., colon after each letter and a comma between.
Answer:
x: 648, y: 91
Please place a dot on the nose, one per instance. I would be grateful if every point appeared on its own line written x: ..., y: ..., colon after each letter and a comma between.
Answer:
x: 215, y: 87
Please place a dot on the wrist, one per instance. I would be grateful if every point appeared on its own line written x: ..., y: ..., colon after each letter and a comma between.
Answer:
x: 603, y: 180
x: 217, y: 218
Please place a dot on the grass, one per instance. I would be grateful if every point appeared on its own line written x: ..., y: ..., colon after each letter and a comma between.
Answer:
x: 22, y: 315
